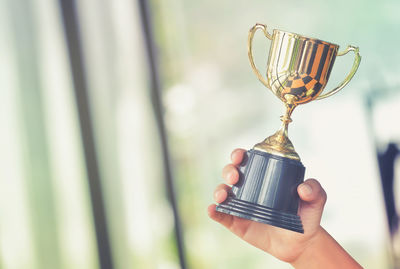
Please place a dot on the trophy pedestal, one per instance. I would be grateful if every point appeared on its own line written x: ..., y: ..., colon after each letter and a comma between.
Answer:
x: 267, y: 191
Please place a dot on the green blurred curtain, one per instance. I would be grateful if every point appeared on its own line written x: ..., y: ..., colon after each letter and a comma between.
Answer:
x: 46, y: 219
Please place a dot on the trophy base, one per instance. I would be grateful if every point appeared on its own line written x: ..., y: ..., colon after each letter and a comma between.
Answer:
x: 266, y: 191
x: 254, y: 212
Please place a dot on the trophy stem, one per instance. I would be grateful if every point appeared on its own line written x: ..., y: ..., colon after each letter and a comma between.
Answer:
x: 283, y: 131
x: 279, y: 143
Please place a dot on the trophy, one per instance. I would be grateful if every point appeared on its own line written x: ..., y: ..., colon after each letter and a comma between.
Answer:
x: 298, y: 70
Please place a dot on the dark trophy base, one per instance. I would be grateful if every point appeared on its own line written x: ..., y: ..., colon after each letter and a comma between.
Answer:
x: 267, y: 191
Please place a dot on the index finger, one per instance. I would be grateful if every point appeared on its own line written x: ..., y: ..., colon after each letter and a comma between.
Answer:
x: 237, y: 156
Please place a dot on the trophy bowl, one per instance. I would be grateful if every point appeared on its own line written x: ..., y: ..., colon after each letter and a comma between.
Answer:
x: 298, y: 70
x: 299, y: 66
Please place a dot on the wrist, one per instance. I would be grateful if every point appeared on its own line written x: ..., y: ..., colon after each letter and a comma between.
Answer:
x: 322, y: 251
x: 309, y: 248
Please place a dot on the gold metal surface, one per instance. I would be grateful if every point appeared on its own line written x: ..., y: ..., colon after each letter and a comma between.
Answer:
x: 297, y: 72
x: 356, y: 63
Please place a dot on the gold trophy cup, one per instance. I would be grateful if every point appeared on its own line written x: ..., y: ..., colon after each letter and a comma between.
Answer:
x: 297, y: 72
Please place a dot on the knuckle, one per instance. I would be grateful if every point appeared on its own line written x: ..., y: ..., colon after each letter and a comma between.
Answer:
x: 227, y: 169
x: 316, y: 186
x: 237, y: 151
x: 324, y: 195
x: 313, y: 182
x: 220, y: 187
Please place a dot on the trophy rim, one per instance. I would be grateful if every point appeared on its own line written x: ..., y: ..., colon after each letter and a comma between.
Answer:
x: 304, y: 37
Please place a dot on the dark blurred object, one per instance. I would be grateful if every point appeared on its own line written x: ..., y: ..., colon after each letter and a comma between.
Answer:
x: 78, y: 71
x: 156, y: 97
x: 386, y: 161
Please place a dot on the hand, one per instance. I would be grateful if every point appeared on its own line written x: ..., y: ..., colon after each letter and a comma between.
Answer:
x: 285, y: 245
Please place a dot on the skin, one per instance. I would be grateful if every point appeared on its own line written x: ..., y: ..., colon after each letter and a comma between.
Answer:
x: 313, y: 249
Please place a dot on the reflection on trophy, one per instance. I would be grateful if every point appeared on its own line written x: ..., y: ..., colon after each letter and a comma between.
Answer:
x: 297, y: 72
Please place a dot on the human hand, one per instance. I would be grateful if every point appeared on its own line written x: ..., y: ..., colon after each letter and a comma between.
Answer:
x: 283, y: 244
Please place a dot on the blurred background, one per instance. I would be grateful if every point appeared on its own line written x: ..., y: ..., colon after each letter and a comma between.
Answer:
x: 116, y: 118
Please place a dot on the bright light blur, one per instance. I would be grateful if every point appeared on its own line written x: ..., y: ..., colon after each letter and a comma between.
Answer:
x: 213, y: 103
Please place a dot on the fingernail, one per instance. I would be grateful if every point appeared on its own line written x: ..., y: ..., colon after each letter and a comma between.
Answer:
x: 218, y: 194
x: 230, y: 175
x: 305, y: 189
x: 233, y: 153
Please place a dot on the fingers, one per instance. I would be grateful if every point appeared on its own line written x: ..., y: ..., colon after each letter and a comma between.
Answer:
x: 312, y: 192
x: 237, y: 156
x: 221, y: 193
x: 313, y: 198
x: 230, y: 174
x: 224, y: 219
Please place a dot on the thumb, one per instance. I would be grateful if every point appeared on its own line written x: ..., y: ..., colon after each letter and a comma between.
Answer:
x: 313, y: 199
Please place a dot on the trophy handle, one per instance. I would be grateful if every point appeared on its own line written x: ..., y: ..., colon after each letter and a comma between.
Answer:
x: 357, y: 59
x: 250, y: 49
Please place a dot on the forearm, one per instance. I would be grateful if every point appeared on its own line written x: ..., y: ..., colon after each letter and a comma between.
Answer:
x: 324, y: 252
